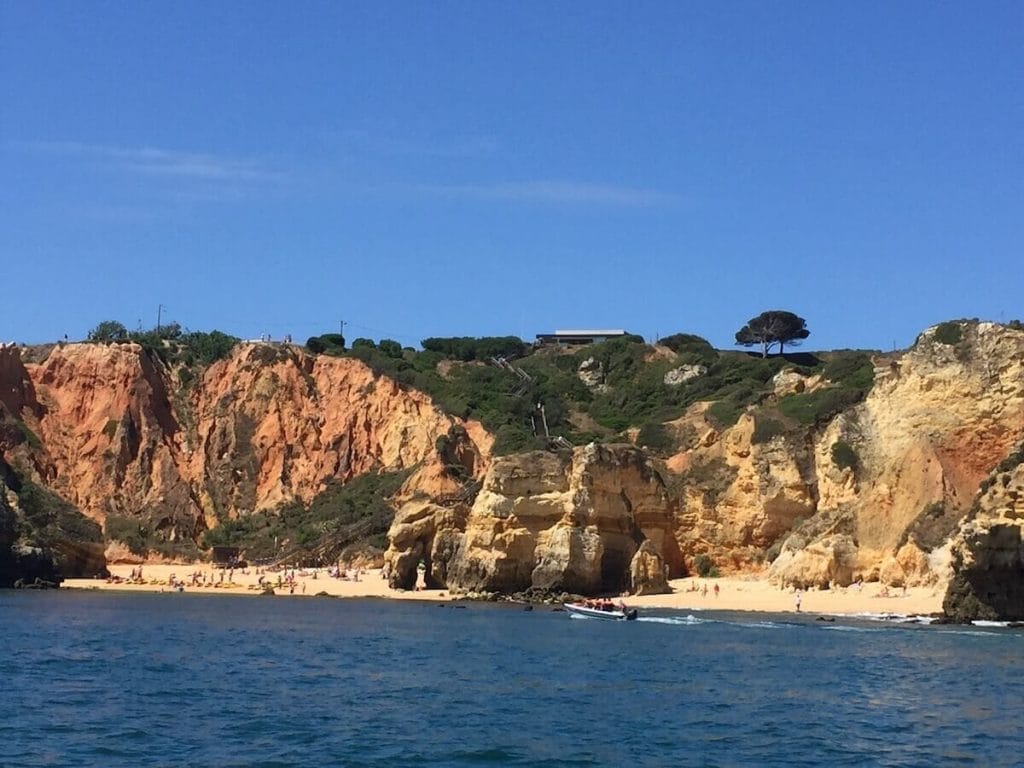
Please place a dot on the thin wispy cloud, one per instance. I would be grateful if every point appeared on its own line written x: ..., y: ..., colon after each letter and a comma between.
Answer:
x: 196, y: 166
x: 450, y: 147
x: 553, y: 191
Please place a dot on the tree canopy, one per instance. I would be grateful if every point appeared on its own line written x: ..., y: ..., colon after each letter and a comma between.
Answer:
x: 773, y: 327
x: 108, y: 330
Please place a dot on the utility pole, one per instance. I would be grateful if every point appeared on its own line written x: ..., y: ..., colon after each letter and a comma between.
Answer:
x: 159, y: 313
x: 341, y: 331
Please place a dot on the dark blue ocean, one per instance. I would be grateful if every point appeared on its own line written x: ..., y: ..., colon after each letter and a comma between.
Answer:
x: 95, y: 679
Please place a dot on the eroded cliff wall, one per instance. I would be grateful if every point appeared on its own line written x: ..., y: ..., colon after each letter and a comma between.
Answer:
x: 116, y: 433
x: 938, y: 419
x: 568, y: 521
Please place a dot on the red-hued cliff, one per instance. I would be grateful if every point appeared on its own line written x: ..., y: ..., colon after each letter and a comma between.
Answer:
x: 115, y: 432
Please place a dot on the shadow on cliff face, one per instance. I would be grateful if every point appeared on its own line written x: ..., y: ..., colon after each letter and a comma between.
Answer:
x: 993, y: 587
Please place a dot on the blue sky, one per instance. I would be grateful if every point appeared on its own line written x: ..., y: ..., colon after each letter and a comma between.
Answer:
x: 478, y: 168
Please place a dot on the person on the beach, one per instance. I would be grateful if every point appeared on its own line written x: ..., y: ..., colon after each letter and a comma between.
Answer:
x: 716, y: 590
x: 421, y: 576
x: 797, y: 599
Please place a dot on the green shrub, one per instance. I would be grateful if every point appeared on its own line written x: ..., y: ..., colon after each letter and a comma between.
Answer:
x: 820, y: 406
x: 844, y: 456
x: 51, y: 521
x: 129, y: 531
x: 765, y: 428
x: 656, y: 437
x: 951, y: 333
x: 704, y: 566
x: 467, y: 348
x: 327, y: 343
x: 107, y: 331
x: 28, y: 435
x: 390, y: 347
x: 688, y: 343
x: 853, y: 370
x: 208, y: 348
x: 295, y: 526
x: 725, y: 413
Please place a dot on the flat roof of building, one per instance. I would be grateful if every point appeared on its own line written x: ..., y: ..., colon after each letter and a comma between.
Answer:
x: 590, y: 332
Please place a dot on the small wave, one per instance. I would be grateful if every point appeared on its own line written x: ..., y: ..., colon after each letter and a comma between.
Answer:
x: 892, y: 618
x: 763, y: 625
x: 848, y: 628
x: 678, y: 620
x: 987, y: 623
x: 973, y: 633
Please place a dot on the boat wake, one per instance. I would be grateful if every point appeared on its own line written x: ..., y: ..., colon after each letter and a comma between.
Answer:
x: 676, y: 620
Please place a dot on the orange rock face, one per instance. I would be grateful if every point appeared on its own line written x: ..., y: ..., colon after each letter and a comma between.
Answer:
x: 117, y: 433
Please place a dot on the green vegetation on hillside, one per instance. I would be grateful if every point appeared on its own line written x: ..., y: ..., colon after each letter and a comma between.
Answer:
x: 850, y: 375
x: 844, y: 456
x: 949, y: 333
x: 50, y: 521
x: 169, y: 342
x: 341, y: 515
x: 502, y: 380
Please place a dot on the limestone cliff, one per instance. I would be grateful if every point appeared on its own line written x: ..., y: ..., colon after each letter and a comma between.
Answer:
x: 876, y: 490
x: 937, y: 420
x: 988, y: 553
x: 117, y: 433
x: 550, y: 521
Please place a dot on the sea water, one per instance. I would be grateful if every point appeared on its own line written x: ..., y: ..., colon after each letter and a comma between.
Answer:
x: 101, y: 679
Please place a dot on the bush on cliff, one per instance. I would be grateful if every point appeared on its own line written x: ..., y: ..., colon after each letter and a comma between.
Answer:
x: 850, y: 369
x: 844, y: 456
x: 341, y: 514
x: 49, y: 519
x: 466, y: 348
x: 820, y: 406
x: 951, y: 333
x: 327, y: 343
x: 169, y: 342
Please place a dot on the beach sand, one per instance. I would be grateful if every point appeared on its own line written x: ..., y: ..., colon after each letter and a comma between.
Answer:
x: 753, y: 594
x: 735, y: 593
x: 157, y: 578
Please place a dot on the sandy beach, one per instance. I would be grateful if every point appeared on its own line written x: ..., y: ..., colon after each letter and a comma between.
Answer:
x: 753, y: 594
x: 734, y: 593
x: 158, y: 577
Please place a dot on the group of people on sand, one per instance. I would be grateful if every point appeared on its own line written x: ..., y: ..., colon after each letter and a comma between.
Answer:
x: 703, y: 589
x: 345, y: 574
